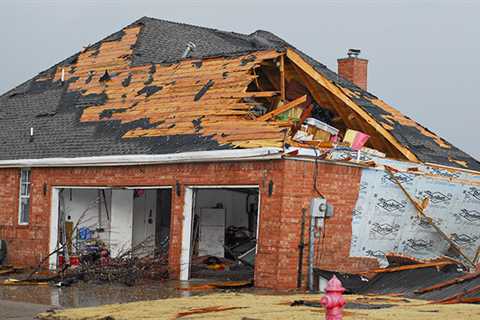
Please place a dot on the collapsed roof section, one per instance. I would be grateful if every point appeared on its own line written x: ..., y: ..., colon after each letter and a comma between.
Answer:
x: 159, y: 87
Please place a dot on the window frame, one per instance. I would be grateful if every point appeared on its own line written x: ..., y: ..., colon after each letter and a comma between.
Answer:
x: 24, y: 172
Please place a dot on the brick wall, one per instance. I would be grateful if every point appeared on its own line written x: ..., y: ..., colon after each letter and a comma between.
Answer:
x: 280, y: 213
x: 355, y: 70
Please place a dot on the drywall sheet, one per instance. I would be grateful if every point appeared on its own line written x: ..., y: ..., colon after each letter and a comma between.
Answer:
x: 391, y: 221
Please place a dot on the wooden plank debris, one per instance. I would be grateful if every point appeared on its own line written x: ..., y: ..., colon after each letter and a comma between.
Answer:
x: 206, y: 310
x: 282, y: 78
x: 438, y: 264
x: 292, y: 104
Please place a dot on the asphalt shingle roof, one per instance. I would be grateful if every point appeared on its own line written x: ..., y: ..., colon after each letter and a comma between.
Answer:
x: 54, y: 112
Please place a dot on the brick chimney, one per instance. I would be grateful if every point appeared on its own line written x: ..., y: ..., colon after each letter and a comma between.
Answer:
x: 354, y: 68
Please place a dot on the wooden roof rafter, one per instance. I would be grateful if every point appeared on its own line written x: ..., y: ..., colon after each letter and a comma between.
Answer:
x: 295, y: 58
x: 320, y: 95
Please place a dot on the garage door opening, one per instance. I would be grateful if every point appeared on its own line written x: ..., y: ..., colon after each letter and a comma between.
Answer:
x: 223, y: 224
x: 87, y: 221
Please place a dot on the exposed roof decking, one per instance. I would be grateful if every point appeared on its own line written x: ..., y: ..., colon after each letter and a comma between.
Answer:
x: 147, y: 105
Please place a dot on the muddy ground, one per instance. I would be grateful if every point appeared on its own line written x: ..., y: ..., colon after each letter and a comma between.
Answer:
x: 167, y: 300
x: 247, y: 306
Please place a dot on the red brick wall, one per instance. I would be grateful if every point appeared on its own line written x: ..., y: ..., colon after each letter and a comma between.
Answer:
x: 280, y: 214
x: 340, y: 185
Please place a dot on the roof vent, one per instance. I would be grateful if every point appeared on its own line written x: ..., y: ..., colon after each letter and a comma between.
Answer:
x: 189, y: 49
x: 353, y: 53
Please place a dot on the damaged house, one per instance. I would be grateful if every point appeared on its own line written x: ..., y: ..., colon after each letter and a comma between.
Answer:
x: 222, y: 146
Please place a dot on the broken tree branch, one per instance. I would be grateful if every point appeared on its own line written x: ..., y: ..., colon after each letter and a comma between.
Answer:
x: 63, y: 245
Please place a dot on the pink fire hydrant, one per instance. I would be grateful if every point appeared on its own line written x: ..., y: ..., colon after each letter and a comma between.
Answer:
x: 333, y: 300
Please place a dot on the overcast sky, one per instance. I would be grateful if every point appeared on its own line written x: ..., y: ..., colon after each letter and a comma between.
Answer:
x: 423, y: 54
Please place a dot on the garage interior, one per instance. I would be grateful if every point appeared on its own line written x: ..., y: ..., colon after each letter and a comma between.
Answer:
x: 132, y: 221
x: 224, y: 233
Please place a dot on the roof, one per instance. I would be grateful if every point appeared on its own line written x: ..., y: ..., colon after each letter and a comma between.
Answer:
x: 132, y: 93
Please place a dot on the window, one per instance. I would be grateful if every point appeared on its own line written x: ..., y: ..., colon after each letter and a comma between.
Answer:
x: 24, y: 205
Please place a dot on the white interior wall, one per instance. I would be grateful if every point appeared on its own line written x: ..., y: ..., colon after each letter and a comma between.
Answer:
x: 80, y: 201
x: 233, y: 202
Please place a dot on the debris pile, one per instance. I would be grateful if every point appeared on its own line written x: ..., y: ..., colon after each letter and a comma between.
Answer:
x: 128, y: 267
x: 441, y: 281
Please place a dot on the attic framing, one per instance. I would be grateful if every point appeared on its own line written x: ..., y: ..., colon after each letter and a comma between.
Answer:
x: 338, y: 93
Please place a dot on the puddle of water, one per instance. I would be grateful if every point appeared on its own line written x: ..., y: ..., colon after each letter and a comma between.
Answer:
x: 90, y: 294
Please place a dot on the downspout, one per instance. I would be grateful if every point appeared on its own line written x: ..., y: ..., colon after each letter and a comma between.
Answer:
x: 301, y: 247
x: 311, y: 248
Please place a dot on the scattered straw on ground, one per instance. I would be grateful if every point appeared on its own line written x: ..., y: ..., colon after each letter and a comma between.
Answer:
x: 255, y: 307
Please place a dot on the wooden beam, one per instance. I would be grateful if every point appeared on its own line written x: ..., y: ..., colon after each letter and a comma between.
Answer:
x: 349, y: 118
x: 282, y: 77
x: 260, y: 94
x: 282, y: 109
x: 411, y: 267
x: 331, y: 87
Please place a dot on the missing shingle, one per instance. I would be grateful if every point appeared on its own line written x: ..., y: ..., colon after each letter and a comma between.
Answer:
x: 108, y: 113
x: 90, y: 76
x: 95, y: 52
x: 149, y: 90
x: 248, y: 59
x: 151, y: 72
x: 202, y: 91
x: 153, y: 68
x: 127, y: 80
x: 197, y: 64
x: 197, y: 124
x: 105, y: 77
x: 149, y: 79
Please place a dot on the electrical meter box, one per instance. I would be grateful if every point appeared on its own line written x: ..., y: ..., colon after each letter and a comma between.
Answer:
x: 319, y: 208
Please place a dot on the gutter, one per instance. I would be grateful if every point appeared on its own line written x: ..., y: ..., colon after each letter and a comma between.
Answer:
x: 131, y: 160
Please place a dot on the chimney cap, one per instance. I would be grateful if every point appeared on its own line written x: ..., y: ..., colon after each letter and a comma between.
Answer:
x: 353, y: 53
